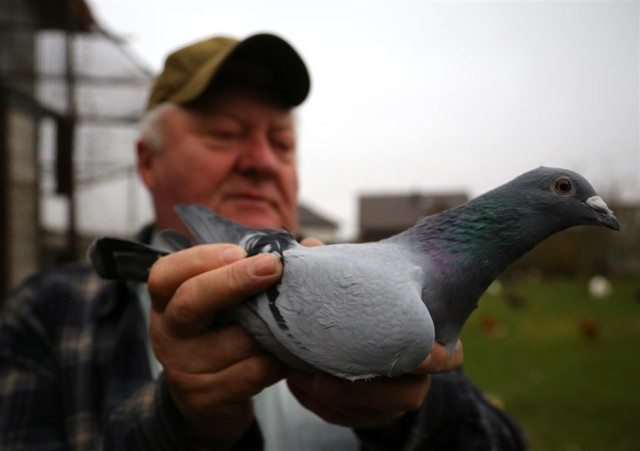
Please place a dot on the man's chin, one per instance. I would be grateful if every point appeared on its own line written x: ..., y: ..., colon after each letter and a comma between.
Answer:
x: 257, y: 216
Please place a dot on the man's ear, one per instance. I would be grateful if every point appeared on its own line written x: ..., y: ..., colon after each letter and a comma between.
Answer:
x: 146, y: 157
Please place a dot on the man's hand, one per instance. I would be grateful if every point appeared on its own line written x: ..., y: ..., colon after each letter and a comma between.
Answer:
x: 373, y: 403
x: 213, y: 369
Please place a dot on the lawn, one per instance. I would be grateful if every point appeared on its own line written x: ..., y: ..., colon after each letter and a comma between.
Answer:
x: 566, y: 365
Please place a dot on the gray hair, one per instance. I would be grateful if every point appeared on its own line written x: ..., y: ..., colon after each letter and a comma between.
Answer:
x: 149, y: 126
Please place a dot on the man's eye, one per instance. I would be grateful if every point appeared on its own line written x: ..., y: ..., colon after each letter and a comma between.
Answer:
x: 283, y: 146
x: 285, y: 151
x: 223, y: 134
x: 282, y: 143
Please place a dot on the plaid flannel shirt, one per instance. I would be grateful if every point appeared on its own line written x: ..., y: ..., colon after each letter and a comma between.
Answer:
x: 74, y: 375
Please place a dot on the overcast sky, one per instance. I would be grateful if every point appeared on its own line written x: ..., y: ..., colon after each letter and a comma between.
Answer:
x: 431, y: 96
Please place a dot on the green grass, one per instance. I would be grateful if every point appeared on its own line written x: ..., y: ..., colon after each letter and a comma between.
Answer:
x: 568, y: 391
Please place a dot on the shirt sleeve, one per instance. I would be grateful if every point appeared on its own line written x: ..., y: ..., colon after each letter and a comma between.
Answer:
x: 52, y: 395
x: 29, y: 403
x: 150, y: 420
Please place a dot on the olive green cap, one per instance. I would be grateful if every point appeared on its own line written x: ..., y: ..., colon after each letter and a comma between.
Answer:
x: 189, y: 71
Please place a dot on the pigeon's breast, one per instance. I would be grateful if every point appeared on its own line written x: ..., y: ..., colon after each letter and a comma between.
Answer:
x: 354, y: 310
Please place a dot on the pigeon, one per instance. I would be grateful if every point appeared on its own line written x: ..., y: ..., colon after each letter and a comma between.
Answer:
x: 366, y: 310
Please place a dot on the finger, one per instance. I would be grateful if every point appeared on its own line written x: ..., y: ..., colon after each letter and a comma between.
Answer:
x: 311, y: 242
x: 235, y: 384
x: 344, y: 415
x: 170, y: 271
x: 193, y: 306
x: 441, y: 360
x: 214, y: 350
x: 458, y: 357
x: 219, y: 404
x: 403, y: 393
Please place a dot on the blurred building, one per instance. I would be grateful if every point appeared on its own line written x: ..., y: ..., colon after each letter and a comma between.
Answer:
x: 314, y: 224
x: 383, y: 215
x: 69, y: 93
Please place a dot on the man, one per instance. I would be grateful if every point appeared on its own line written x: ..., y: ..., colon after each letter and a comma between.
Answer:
x: 76, y: 363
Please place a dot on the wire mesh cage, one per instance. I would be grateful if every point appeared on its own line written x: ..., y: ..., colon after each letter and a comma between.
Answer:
x: 70, y: 97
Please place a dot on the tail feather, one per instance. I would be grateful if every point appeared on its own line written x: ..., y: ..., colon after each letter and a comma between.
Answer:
x: 119, y: 259
x: 176, y: 240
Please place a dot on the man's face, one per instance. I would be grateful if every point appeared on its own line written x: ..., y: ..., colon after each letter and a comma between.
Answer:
x: 235, y: 153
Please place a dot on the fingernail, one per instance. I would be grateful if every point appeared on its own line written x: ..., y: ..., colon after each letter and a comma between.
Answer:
x: 265, y: 265
x: 232, y: 254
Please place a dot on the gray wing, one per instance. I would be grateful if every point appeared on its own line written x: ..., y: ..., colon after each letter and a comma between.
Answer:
x: 259, y: 323
x: 342, y: 310
x: 209, y: 227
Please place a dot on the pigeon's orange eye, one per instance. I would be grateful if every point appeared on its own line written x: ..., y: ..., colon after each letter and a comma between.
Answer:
x: 563, y: 186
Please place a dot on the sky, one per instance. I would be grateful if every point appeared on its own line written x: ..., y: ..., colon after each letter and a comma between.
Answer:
x: 416, y: 96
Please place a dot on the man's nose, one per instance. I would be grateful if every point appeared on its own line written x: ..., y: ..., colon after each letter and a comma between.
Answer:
x: 258, y: 154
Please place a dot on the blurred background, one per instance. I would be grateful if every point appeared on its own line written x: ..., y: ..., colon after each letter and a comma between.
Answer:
x: 415, y: 107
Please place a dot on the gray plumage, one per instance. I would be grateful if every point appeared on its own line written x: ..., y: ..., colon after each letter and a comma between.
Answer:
x: 360, y: 311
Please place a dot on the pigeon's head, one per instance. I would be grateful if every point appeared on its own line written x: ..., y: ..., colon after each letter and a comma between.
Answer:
x: 568, y: 196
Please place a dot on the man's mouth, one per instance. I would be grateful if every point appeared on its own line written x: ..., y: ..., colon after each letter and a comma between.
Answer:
x: 250, y: 198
